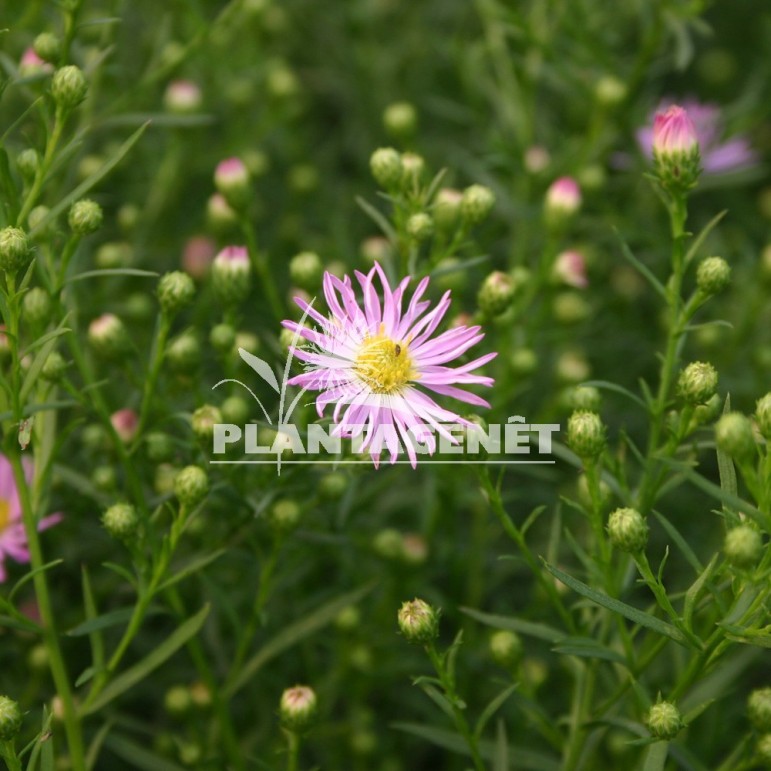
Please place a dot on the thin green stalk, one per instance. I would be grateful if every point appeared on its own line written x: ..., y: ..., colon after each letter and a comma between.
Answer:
x: 262, y: 269
x: 293, y: 750
x: 8, y: 753
x: 156, y: 359
x: 50, y: 635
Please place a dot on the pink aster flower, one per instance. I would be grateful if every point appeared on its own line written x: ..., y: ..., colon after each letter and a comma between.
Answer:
x: 375, y: 361
x: 702, y: 124
x: 13, y: 539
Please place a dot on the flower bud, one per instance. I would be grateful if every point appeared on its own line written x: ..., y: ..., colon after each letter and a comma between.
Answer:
x: 48, y: 47
x: 676, y: 153
x: 281, y: 82
x: 159, y: 446
x: 348, y: 619
x: 303, y: 178
x: 610, y: 91
x: 506, y: 648
x: 69, y: 87
x: 114, y: 254
x: 375, y: 249
x: 536, y: 159
x: 664, y: 720
x: 107, y: 336
x: 523, y: 361
x: 763, y: 415
x: 54, y: 367
x: 759, y: 709
x: 333, y: 485
x: 763, y: 749
x: 232, y: 274
x: 743, y: 546
x: 177, y: 700
x: 627, y: 530
x: 400, y: 119
x: 420, y: 226
x: 388, y: 543
x: 231, y: 178
x: 235, y: 409
x: 36, y: 307
x: 713, y: 275
x: 586, y: 434
x: 182, y: 97
x: 175, y: 292
x: 128, y: 216
x: 592, y: 177
x: 446, y: 209
x: 126, y: 424
x: 570, y: 269
x: 203, y: 421
x: 418, y: 621
x: 306, y: 270
x: 219, y: 214
x: 572, y: 366
x: 184, y: 353
x: 121, y: 521
x: 477, y: 203
x: 585, y: 398
x: 733, y: 435
x: 191, y: 486
x: 563, y: 200
x: 496, y: 294
x: 200, y: 694
x: 297, y: 708
x: 386, y: 167
x: 570, y: 308
x: 697, y: 383
x: 85, y: 217
x: 104, y: 478
x: 15, y: 252
x: 28, y: 162
x: 284, y: 515
x: 414, y: 549
x: 10, y: 719
x: 412, y: 169
x: 222, y: 338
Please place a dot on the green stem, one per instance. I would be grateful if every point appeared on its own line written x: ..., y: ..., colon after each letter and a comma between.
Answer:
x: 262, y: 269
x: 156, y: 359
x: 461, y: 723
x: 293, y: 752
x: 50, y: 636
x: 8, y: 753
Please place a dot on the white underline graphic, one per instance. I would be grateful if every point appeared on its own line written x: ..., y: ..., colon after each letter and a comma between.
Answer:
x: 385, y: 463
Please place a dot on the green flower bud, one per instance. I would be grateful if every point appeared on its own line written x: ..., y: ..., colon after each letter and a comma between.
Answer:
x: 496, y: 294
x: 420, y: 226
x: 191, y: 486
x: 303, y: 178
x: 733, y: 434
x: 297, y: 708
x: 108, y: 336
x: 759, y: 709
x: 388, y: 543
x: 232, y: 275
x: 204, y: 420
x: 610, y: 91
x: 412, y: 169
x: 284, y: 515
x: 35, y: 220
x: 447, y: 208
x: 36, y: 307
x: 418, y: 621
x: 386, y: 167
x: 38, y: 659
x: 27, y: 162
x: 177, y: 700
x: 10, y: 719
x: 348, y: 619
x: 48, y: 47
x: 85, y: 217
x: 306, y: 270
x: 664, y: 720
x: 763, y: 749
x: 159, y: 447
x: 627, y: 530
x: 506, y: 648
x: 570, y: 308
x: 763, y: 415
x: 523, y: 361
x: 223, y: 338
x: 400, y: 119
x: 586, y: 434
x: 54, y: 367
x: 477, y: 203
x: 176, y: 291
x: 743, y: 546
x: 713, y: 275
x: 697, y: 383
x: 572, y: 367
x: 163, y: 482
x: 200, y: 694
x: 184, y: 353
x: 231, y: 178
x: 585, y: 398
x: 114, y: 254
x: 121, y: 521
x: 219, y: 214
x: 128, y: 217
x: 235, y: 409
x: 15, y: 252
x: 104, y: 478
x: 69, y: 86
x: 333, y: 485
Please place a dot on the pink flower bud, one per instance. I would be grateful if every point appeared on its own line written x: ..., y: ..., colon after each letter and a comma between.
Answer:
x: 182, y: 96
x: 231, y: 274
x: 231, y: 178
x: 32, y: 64
x: 197, y: 256
x: 674, y: 133
x: 563, y: 198
x: 125, y: 423
x: 570, y: 268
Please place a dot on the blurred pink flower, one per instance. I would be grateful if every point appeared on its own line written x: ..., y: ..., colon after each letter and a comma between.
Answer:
x: 718, y: 156
x: 125, y: 423
x: 197, y: 256
x: 32, y: 64
x: 570, y: 268
x: 563, y: 196
x: 13, y: 538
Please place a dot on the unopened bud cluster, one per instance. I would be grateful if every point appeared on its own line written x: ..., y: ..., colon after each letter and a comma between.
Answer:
x: 676, y: 154
x: 418, y: 621
x: 69, y: 86
x: 232, y: 274
x: 697, y: 383
x: 85, y: 217
x: 627, y: 530
x: 743, y: 546
x: 10, y: 719
x: 298, y: 707
x: 121, y: 521
x: 586, y: 434
x: 713, y: 275
x: 733, y: 435
x: 176, y: 291
x: 191, y: 486
x: 496, y: 293
x: 14, y: 249
x: 664, y: 720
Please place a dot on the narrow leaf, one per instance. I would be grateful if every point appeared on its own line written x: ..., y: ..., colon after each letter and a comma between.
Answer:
x: 608, y: 386
x: 137, y: 756
x: 699, y: 240
x: 495, y: 704
x: 192, y: 567
x: 111, y: 272
x: 656, y: 757
x: 644, y: 270
x: 377, y: 218
x: 529, y: 628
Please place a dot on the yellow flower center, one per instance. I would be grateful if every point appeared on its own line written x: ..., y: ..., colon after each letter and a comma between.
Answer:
x: 384, y: 364
x: 5, y: 514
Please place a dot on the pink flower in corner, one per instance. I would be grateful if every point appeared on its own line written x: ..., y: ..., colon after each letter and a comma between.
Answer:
x: 376, y: 362
x: 13, y: 538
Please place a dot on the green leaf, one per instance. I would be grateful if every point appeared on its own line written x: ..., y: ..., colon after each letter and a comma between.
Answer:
x: 20, y: 623
x: 695, y: 589
x: 111, y: 272
x: 679, y: 541
x: 656, y: 757
x: 40, y: 359
x: 587, y: 648
x: 705, y: 231
x: 608, y: 386
x: 439, y: 699
x: 495, y: 704
x: 644, y: 270
x: 96, y: 745
x: 138, y: 756
x: 529, y: 628
x: 152, y: 661
x: 29, y: 576
x: 106, y: 620
x: 616, y: 606
x: 377, y: 218
x: 90, y: 181
x: 501, y: 757
x: 292, y: 634
x: 192, y: 567
x: 92, y: 614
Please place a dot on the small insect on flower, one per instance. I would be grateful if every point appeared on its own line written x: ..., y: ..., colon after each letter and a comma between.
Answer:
x: 369, y: 361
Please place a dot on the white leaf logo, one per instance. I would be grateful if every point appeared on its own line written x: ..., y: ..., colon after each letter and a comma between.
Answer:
x: 262, y: 368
